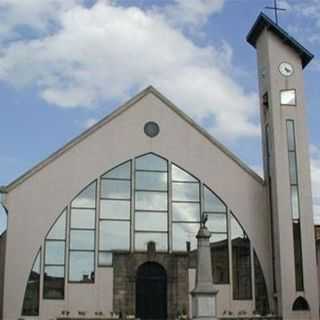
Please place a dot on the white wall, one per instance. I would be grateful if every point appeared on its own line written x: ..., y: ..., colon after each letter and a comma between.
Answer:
x: 34, y: 204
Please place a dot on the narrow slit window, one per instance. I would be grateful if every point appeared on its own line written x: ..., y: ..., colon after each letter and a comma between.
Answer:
x: 295, y: 204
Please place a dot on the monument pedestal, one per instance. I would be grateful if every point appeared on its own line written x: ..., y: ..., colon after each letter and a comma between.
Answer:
x: 204, y: 294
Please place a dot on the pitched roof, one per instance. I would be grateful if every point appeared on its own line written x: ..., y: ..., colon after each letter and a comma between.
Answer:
x: 110, y: 117
x: 262, y: 22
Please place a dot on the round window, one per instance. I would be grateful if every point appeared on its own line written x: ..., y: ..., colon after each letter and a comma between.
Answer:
x: 151, y: 129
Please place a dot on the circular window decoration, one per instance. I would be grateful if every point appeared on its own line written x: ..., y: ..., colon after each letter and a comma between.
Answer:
x: 151, y: 129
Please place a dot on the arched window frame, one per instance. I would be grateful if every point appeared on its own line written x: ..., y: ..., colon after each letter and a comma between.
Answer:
x: 97, y: 208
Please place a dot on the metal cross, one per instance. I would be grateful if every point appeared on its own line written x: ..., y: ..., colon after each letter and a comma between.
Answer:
x: 276, y: 9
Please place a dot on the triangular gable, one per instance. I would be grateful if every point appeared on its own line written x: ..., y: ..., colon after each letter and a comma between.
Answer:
x: 113, y: 115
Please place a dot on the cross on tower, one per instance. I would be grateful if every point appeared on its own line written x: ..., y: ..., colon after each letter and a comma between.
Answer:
x: 276, y: 9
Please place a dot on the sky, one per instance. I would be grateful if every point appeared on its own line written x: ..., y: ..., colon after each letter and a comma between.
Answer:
x: 66, y: 64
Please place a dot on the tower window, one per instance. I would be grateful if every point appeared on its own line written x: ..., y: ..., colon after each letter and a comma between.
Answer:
x: 295, y: 204
x: 288, y: 97
x: 300, y: 304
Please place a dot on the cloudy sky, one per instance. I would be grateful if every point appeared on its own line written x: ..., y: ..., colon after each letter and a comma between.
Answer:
x: 66, y: 64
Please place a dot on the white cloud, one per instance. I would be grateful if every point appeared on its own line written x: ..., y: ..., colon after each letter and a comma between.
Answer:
x: 315, y: 176
x: 37, y: 15
x: 192, y: 12
x: 107, y: 52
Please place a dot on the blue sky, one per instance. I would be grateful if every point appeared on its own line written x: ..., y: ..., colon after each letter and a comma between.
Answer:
x: 66, y: 64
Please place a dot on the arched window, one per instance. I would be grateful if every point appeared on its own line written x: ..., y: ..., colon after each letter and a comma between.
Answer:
x: 241, y: 262
x: 54, y: 259
x: 32, y: 293
x: 300, y: 304
x: 143, y: 200
x: 82, y: 236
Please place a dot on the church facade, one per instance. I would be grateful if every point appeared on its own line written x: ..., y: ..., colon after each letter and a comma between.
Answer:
x: 105, y: 227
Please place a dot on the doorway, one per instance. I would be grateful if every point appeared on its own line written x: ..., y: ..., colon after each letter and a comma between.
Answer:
x: 151, y: 292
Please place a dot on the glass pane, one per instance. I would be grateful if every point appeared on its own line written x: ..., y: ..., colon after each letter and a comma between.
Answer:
x: 114, y: 235
x: 261, y: 294
x: 32, y: 293
x: 151, y: 201
x: 288, y: 97
x: 53, y: 285
x: 81, y: 266
x: 290, y: 134
x: 236, y: 229
x: 185, y: 191
x: 120, y: 172
x: 217, y: 222
x: 241, y: 269
x: 295, y: 202
x: 180, y: 175
x: 115, y: 189
x: 151, y: 181
x: 218, y: 238
x: 37, y: 264
x: 83, y: 218
x: 220, y: 258
x: 115, y: 209
x: 58, y: 231
x: 105, y: 258
x: 293, y: 168
x: 298, y: 255
x: 184, y: 233
x: 151, y: 162
x: 82, y: 239
x: 241, y: 262
x: 185, y: 211
x: 151, y: 221
x: 55, y: 251
x: 160, y: 239
x: 87, y: 198
x: 212, y: 202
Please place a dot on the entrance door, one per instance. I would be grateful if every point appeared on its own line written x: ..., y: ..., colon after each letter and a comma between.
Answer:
x: 151, y: 291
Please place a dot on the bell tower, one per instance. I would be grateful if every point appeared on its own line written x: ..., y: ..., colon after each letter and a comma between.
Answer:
x: 281, y: 60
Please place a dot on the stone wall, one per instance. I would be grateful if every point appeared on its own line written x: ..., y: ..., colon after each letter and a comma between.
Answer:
x: 125, y: 270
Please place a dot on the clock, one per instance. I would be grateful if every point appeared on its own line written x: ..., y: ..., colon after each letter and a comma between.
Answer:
x: 286, y: 69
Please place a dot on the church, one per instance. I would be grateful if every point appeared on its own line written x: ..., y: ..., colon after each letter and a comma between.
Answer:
x: 105, y: 228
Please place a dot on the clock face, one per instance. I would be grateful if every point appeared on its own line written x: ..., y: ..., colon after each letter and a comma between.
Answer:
x: 286, y: 69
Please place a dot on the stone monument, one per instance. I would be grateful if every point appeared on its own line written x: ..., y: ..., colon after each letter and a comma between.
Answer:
x: 204, y: 294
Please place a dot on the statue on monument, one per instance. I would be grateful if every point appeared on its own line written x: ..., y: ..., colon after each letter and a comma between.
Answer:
x: 204, y: 220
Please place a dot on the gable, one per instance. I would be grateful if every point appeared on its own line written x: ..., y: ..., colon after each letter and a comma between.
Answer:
x: 132, y: 102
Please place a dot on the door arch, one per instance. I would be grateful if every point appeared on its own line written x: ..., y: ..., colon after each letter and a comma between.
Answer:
x: 151, y: 291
